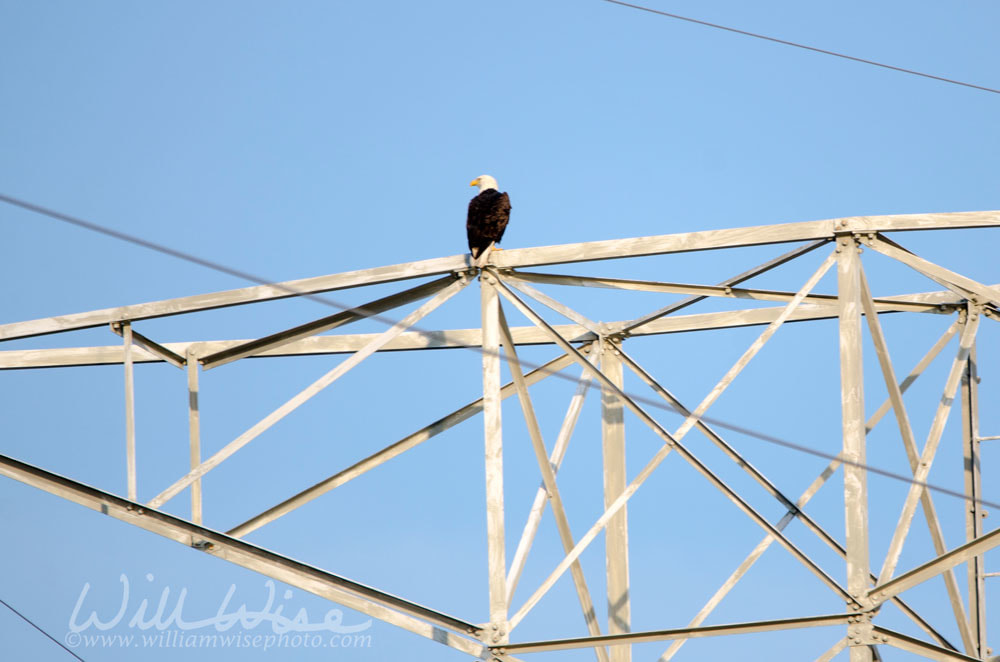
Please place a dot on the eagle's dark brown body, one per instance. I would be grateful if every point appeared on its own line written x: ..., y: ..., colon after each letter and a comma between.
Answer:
x: 488, y: 215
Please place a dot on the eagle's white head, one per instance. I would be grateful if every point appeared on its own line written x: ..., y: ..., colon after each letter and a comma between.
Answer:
x: 484, y: 182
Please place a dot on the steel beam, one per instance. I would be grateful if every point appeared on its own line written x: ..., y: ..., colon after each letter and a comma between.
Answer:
x: 580, y: 252
x: 253, y: 294
x: 678, y: 633
x: 342, y: 368
x: 379, y: 458
x: 616, y: 534
x: 957, y: 282
x: 701, y: 291
x: 126, y: 330
x: 935, y: 567
x: 806, y: 496
x: 758, y: 344
x: 494, y: 636
x: 928, y: 302
x: 154, y: 348
x: 549, y: 480
x: 194, y: 433
x: 833, y: 651
x: 794, y: 508
x: 670, y: 443
x: 733, y: 455
x: 734, y: 237
x: 798, y: 251
x: 974, y: 512
x: 538, y: 506
x: 408, y: 615
x: 913, y: 455
x: 364, y: 311
x: 853, y: 415
x: 922, y: 648
x: 551, y: 303
x: 971, y: 324
x: 918, y: 370
x: 493, y: 431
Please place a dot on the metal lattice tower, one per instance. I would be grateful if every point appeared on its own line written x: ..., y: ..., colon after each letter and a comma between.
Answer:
x: 507, y: 281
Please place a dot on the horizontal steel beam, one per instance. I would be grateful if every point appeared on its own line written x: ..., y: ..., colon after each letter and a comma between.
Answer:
x: 679, y: 633
x: 753, y: 272
x: 254, y: 294
x: 349, y: 593
x: 722, y: 291
x: 735, y: 237
x: 925, y: 302
x: 522, y: 257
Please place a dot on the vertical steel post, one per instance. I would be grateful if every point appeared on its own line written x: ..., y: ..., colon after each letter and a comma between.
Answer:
x: 973, y: 490
x: 853, y: 417
x: 129, y: 411
x: 194, y: 432
x: 616, y: 534
x: 496, y: 558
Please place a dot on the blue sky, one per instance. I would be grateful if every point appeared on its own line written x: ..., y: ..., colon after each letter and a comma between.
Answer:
x: 298, y: 139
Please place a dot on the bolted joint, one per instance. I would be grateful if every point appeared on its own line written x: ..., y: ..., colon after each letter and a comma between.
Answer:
x: 862, y: 633
x: 865, y: 606
x: 495, y: 635
x: 845, y: 241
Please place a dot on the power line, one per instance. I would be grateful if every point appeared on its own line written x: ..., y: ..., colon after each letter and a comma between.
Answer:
x: 32, y: 624
x: 658, y: 404
x: 814, y: 49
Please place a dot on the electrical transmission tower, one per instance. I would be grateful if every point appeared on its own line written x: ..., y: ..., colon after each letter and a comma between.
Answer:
x: 839, y: 557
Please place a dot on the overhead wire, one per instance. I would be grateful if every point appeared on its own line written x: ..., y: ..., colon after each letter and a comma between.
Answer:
x: 37, y: 627
x: 658, y: 404
x: 765, y: 437
x: 814, y: 49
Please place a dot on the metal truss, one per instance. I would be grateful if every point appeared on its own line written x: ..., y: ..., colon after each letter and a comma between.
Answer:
x: 507, y: 283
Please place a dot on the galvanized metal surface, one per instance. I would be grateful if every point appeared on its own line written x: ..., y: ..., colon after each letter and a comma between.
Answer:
x: 615, y: 478
x: 596, y: 345
x: 853, y: 420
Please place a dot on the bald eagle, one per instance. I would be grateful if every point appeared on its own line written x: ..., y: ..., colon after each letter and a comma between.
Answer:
x: 488, y: 215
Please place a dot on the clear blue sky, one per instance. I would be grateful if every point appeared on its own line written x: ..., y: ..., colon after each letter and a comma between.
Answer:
x: 300, y: 139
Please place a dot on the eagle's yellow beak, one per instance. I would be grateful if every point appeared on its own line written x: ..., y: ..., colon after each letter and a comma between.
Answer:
x: 474, y: 182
